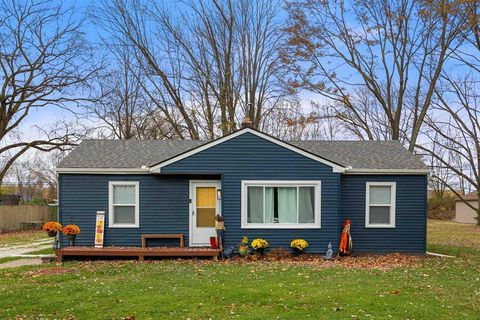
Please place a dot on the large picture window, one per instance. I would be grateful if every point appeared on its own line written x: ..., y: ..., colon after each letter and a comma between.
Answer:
x: 124, y: 207
x: 380, y: 205
x: 280, y: 204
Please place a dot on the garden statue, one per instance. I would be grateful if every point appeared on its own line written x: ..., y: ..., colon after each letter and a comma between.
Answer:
x: 243, y: 249
x: 345, y: 248
x: 227, y: 253
x: 329, y: 254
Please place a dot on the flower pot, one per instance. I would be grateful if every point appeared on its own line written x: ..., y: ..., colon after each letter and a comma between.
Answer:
x: 71, y: 240
x: 52, y: 233
x: 243, y: 250
x: 297, y: 252
x: 213, y: 242
x: 260, y: 251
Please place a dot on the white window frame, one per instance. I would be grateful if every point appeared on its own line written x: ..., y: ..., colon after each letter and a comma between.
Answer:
x: 281, y: 183
x: 111, y: 205
x: 393, y: 195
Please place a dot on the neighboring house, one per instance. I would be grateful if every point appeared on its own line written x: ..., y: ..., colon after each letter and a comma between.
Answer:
x: 463, y: 213
x: 263, y: 187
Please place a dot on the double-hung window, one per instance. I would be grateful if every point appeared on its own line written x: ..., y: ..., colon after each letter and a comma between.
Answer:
x: 281, y: 204
x: 123, y: 204
x: 380, y: 205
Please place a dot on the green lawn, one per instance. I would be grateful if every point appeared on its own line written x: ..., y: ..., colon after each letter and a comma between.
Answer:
x: 43, y: 251
x: 8, y: 259
x: 430, y: 288
x: 452, y: 236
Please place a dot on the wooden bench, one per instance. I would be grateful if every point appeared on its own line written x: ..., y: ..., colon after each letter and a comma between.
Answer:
x: 178, y: 236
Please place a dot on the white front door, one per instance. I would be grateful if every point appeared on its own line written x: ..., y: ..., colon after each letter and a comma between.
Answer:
x: 204, y: 206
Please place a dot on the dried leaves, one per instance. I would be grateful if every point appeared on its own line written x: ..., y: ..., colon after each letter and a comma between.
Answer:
x: 50, y: 271
x: 373, y: 262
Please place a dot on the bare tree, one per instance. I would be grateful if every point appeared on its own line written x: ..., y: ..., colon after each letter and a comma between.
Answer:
x: 208, y: 64
x: 261, y: 42
x: 35, y: 177
x: 441, y: 173
x: 453, y: 125
x: 21, y: 179
x: 468, y: 53
x: 42, y: 64
x: 394, y: 50
x: 456, y: 124
x: 42, y: 168
x: 290, y: 121
x: 121, y: 108
x: 367, y: 121
x: 121, y: 102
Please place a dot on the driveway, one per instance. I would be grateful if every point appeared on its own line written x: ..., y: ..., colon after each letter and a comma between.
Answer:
x: 21, y: 263
x: 13, y: 251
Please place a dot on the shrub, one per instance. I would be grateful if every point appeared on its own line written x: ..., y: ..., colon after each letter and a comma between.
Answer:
x: 52, y: 226
x: 37, y: 202
x: 441, y: 205
x: 299, y: 244
x: 259, y: 244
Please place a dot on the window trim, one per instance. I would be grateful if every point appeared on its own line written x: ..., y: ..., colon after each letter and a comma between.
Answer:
x: 393, y: 195
x: 281, y: 183
x: 111, y: 205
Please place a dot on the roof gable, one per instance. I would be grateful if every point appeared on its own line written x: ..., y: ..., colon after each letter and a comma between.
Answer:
x: 156, y: 168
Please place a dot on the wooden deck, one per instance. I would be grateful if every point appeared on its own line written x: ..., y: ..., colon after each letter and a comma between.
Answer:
x: 136, y: 252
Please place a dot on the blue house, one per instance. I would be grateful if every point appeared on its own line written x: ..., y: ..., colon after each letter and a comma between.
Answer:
x: 262, y: 186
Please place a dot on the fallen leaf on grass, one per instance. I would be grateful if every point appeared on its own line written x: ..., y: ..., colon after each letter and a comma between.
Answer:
x: 49, y: 272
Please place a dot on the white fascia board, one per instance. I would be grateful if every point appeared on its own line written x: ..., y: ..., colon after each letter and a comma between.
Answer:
x: 157, y: 168
x: 103, y: 170
x: 389, y: 171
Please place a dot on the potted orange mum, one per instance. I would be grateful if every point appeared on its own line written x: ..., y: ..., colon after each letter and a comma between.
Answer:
x: 52, y: 228
x: 71, y: 231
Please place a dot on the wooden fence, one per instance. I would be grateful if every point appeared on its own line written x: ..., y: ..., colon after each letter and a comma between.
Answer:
x: 13, y: 218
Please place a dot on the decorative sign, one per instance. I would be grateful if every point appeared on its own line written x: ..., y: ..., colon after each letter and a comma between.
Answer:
x: 99, y: 227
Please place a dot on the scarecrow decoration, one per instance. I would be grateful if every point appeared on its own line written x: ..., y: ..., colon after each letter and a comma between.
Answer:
x: 345, y: 240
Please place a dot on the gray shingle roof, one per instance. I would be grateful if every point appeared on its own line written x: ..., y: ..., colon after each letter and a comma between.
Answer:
x: 364, y: 154
x: 124, y: 153
x: 137, y: 153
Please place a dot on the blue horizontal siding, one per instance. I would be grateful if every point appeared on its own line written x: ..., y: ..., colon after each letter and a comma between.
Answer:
x: 409, y: 234
x: 164, y: 206
x: 248, y: 157
x: 164, y: 199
